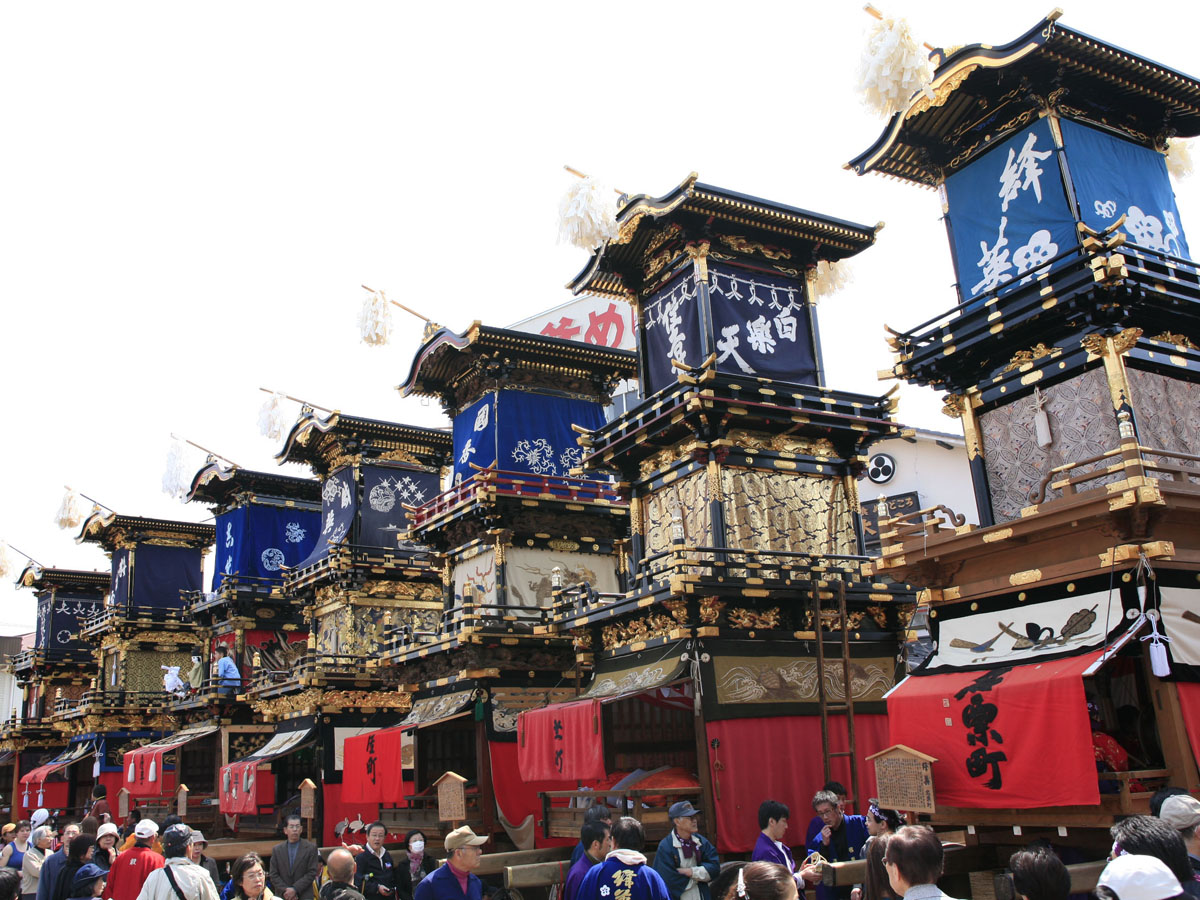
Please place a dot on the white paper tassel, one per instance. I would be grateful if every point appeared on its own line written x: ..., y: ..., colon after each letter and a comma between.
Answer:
x: 1041, y: 419
x: 1160, y: 664
x: 1179, y: 159
x: 173, y: 477
x: 5, y: 562
x: 894, y: 66
x: 375, y: 320
x: 587, y: 214
x: 827, y: 279
x: 69, y: 514
x: 270, y: 417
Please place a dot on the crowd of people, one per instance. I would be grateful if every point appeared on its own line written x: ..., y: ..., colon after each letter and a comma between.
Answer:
x: 146, y: 861
x: 1153, y: 857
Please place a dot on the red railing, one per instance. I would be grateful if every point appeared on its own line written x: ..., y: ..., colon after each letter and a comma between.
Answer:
x: 493, y: 483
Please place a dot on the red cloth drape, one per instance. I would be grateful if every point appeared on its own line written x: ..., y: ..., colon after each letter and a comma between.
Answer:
x: 371, y: 769
x: 240, y: 792
x: 517, y: 798
x: 1189, y: 702
x: 779, y: 758
x: 144, y: 772
x: 561, y: 742
x: 995, y: 732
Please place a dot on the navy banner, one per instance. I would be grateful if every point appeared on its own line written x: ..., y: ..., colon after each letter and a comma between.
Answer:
x: 671, y: 330
x: 534, y: 433
x: 760, y: 325
x: 260, y: 541
x: 475, y: 437
x: 120, y: 577
x: 1114, y: 177
x: 387, y: 490
x: 59, y: 617
x: 1008, y: 212
x: 339, y: 503
x: 160, y: 573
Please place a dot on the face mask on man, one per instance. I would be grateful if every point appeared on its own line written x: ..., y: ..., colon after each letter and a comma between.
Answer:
x: 417, y: 846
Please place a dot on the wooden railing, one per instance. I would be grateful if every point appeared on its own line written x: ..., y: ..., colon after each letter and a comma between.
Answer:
x: 565, y: 821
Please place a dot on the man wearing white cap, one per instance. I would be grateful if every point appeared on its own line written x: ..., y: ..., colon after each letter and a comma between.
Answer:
x: 456, y: 880
x: 1182, y: 812
x: 1137, y: 877
x: 134, y: 866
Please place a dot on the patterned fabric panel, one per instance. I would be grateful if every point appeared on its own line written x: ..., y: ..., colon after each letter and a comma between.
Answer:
x: 1082, y: 425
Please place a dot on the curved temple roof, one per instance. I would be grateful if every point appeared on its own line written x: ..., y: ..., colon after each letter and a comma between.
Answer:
x: 446, y: 357
x: 807, y: 237
x: 980, y: 93
x: 34, y: 576
x: 108, y: 529
x: 217, y: 485
x: 321, y: 443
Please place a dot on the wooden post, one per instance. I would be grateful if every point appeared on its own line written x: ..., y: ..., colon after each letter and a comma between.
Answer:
x: 308, y: 804
x: 483, y: 763
x: 704, y: 768
x: 181, y: 795
x: 123, y: 803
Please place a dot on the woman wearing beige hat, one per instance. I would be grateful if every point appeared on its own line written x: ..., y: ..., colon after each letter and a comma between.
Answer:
x: 106, y: 846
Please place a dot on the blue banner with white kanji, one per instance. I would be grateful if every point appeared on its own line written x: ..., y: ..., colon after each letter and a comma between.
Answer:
x: 59, y: 618
x: 161, y: 573
x: 670, y: 330
x: 339, y: 504
x: 387, y: 492
x: 1114, y: 177
x: 259, y: 541
x: 534, y: 431
x: 761, y: 325
x: 119, y: 591
x: 1008, y: 212
x: 474, y: 431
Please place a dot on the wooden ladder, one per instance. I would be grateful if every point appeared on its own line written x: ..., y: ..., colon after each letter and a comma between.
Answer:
x: 845, y: 706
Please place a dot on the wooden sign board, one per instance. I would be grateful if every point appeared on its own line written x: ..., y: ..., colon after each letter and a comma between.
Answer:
x: 904, y: 779
x: 123, y: 803
x: 452, y: 797
x: 308, y: 799
x: 181, y: 795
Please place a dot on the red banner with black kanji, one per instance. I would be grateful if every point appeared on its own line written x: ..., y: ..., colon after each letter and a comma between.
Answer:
x: 995, y: 732
x: 561, y: 742
x: 371, y: 768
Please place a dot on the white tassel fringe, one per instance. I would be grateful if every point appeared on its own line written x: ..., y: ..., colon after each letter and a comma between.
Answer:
x: 587, y: 215
x: 894, y: 66
x: 173, y: 477
x: 69, y: 515
x: 375, y: 320
x: 5, y: 561
x: 1179, y: 159
x: 827, y: 279
x: 270, y: 417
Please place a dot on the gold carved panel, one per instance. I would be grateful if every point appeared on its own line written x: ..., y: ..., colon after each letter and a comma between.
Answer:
x: 689, y: 497
x: 787, y: 511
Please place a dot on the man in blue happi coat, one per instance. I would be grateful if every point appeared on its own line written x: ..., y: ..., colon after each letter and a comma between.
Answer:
x: 840, y: 839
x: 686, y: 860
x: 624, y: 874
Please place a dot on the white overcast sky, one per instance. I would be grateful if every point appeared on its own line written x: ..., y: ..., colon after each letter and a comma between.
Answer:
x: 192, y: 194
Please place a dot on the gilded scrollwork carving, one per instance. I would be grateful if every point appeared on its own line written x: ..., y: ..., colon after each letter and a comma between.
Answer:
x: 710, y: 610
x: 656, y: 625
x: 743, y: 245
x: 954, y: 405
x: 1179, y: 340
x: 581, y: 639
x: 781, y: 443
x: 677, y: 609
x: 741, y: 617
x: 1037, y: 351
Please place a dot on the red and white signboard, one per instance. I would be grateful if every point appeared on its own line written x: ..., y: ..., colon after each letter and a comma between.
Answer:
x: 590, y: 320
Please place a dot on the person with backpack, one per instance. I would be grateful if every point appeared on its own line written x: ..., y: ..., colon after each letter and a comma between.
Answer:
x: 179, y: 878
